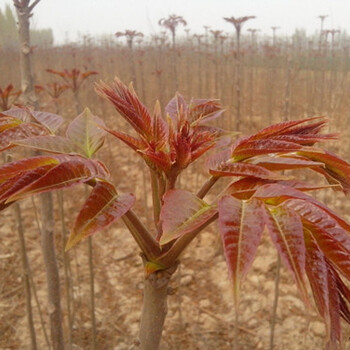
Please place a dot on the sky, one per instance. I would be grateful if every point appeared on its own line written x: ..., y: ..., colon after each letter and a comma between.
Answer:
x: 68, y: 18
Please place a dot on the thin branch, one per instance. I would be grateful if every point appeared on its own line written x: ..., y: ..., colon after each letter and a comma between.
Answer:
x: 33, y: 5
x: 148, y: 245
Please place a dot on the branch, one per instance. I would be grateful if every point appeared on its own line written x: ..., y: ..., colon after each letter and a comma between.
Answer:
x: 148, y: 245
x: 33, y: 5
x: 207, y: 186
x: 169, y: 257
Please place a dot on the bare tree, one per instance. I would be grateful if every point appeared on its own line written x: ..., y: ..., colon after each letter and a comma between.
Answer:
x: 24, y: 10
x: 274, y: 28
x: 130, y: 35
x: 171, y: 23
x: 238, y: 23
x: 322, y: 18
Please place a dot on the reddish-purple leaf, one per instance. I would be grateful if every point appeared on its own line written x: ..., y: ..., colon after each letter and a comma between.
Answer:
x: 284, y: 128
x: 7, y: 122
x: 246, y: 169
x: 177, y: 109
x: 324, y: 290
x: 49, y: 143
x: 20, y: 132
x: 183, y: 212
x: 284, y: 163
x: 70, y: 172
x: 241, y: 224
x: 257, y: 147
x: 103, y: 207
x: 128, y: 105
x: 160, y: 129
x: 332, y: 248
x: 85, y: 133
x: 19, y: 182
x: 51, y: 121
x: 286, y: 231
x: 322, y: 218
x: 12, y: 169
x: 336, y: 170
x: 132, y: 142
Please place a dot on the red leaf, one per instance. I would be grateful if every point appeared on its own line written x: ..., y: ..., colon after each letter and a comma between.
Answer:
x: 324, y: 289
x: 7, y: 122
x: 336, y: 169
x: 51, y: 121
x: 49, y: 143
x: 69, y: 172
x: 20, y: 132
x: 246, y: 169
x: 323, y: 218
x: 18, y: 183
x: 289, y: 127
x: 103, y: 207
x: 284, y: 163
x: 257, y: 147
x: 12, y: 169
x: 178, y: 220
x: 333, y: 249
x: 132, y: 142
x: 177, y: 109
x: 128, y: 105
x: 286, y: 231
x: 241, y: 224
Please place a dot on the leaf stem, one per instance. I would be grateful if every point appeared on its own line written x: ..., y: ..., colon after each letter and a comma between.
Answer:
x: 155, y: 197
x: 207, y: 186
x: 142, y: 236
x: 169, y: 257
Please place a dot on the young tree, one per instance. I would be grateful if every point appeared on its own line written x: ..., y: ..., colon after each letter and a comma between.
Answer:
x: 311, y: 239
x: 238, y: 24
x: 130, y: 36
x: 171, y: 23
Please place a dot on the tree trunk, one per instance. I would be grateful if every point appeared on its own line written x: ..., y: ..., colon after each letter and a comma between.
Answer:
x: 24, y: 9
x: 155, y: 308
x: 27, y: 83
x: 52, y: 275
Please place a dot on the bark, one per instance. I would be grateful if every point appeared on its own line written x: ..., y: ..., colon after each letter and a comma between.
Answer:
x: 26, y: 277
x: 24, y: 10
x: 27, y: 83
x: 155, y: 308
x: 52, y: 275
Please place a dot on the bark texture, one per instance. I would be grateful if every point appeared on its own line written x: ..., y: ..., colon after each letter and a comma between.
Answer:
x: 155, y: 308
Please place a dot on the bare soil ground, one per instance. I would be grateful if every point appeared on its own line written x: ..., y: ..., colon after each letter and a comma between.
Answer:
x: 201, y: 313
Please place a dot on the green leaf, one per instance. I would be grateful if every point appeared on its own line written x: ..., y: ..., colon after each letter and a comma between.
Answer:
x: 182, y: 212
x: 103, y: 207
x: 85, y: 133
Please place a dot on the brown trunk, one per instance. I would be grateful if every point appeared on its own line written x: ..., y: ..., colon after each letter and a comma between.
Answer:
x: 50, y: 261
x: 155, y: 308
x: 24, y: 10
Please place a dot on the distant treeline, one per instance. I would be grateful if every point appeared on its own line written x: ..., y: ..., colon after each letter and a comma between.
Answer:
x: 8, y: 32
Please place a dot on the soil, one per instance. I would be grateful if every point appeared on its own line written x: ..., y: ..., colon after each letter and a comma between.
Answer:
x: 201, y: 313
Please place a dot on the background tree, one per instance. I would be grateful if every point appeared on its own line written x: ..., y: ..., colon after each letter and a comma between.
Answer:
x: 171, y: 23
x: 238, y: 23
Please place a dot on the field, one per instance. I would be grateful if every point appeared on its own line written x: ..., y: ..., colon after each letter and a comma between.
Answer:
x: 290, y: 79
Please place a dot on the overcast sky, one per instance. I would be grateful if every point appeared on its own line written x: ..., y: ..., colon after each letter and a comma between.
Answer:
x: 95, y: 17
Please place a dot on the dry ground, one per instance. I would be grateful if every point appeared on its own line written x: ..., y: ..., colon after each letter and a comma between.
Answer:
x: 201, y: 314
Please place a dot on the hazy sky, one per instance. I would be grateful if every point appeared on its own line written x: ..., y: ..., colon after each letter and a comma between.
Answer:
x: 68, y: 17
